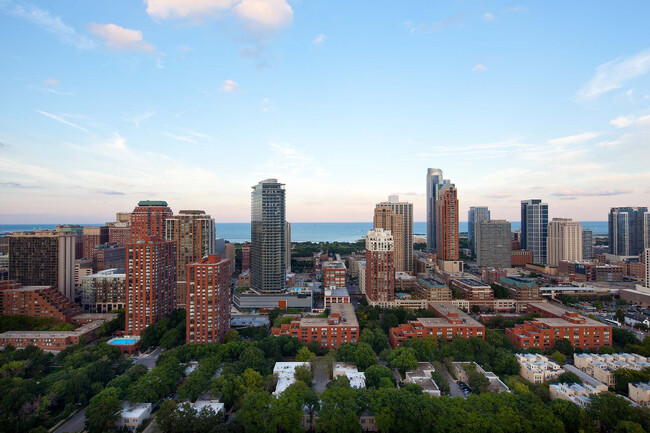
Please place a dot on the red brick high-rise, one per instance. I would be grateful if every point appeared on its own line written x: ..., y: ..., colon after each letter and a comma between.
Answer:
x: 93, y: 236
x: 246, y: 256
x: 150, y: 283
x: 208, y: 300
x: 119, y: 233
x: 380, y: 265
x: 148, y: 219
x: 447, y: 212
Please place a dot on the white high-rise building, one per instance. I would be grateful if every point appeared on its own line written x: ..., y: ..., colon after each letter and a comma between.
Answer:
x: 475, y: 216
x: 564, y: 241
x: 400, y: 223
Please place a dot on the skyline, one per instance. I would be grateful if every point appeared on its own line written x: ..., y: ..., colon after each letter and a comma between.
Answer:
x: 195, y: 103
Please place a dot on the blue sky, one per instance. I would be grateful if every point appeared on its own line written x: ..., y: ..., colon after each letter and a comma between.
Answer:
x: 108, y: 103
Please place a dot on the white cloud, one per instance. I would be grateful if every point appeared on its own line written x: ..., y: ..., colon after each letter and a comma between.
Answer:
x: 319, y: 39
x: 574, y: 139
x: 50, y: 24
x: 118, y: 38
x: 62, y: 120
x: 488, y: 17
x: 257, y: 15
x: 137, y: 120
x: 53, y: 91
x: 51, y: 82
x: 613, y: 75
x: 479, y: 68
x: 229, y: 86
x: 627, y: 121
x: 265, y: 105
x: 180, y: 138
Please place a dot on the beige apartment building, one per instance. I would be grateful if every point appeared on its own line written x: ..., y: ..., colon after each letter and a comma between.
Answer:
x: 397, y: 217
x: 564, y: 241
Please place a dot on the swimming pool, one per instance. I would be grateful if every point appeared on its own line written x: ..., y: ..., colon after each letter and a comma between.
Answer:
x: 122, y: 341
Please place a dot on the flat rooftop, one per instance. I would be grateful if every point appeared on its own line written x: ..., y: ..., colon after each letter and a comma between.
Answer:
x: 346, y: 311
x: 472, y: 283
x: 334, y: 265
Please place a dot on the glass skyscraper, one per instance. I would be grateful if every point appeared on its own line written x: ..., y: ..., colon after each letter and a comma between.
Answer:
x: 434, y: 178
x: 475, y: 216
x: 268, y: 237
x: 534, y: 228
x: 628, y: 230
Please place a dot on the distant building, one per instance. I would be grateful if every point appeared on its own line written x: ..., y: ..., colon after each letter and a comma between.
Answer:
x: 362, y: 276
x: 603, y: 367
x: 628, y: 228
x: 646, y: 260
x: 537, y: 368
x: 336, y: 296
x: 104, y: 291
x: 580, y: 394
x: 246, y: 256
x: 397, y: 217
x: 107, y: 256
x: 432, y: 289
x: 133, y: 415
x: 285, y: 373
x: 268, y: 237
x: 82, y: 267
x: 587, y: 244
x: 52, y: 341
x: 534, y: 228
x: 476, y: 292
x: 521, y: 257
x: 230, y: 254
x: 380, y: 265
x: 522, y: 289
x: 36, y: 301
x: 78, y: 231
x: 340, y: 327
x: 434, y: 178
x: 244, y: 279
x: 334, y: 274
x: 447, y: 214
x: 150, y: 283
x: 475, y: 216
x: 43, y: 258
x: 287, y: 246
x: 492, y: 244
x: 93, y: 236
x: 119, y: 233
x: 450, y: 323
x: 591, y: 271
x: 357, y: 378
x: 564, y: 241
x: 208, y: 300
x: 425, y: 263
x: 148, y: 219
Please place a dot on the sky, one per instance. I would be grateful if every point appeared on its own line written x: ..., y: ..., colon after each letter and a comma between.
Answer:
x: 194, y: 101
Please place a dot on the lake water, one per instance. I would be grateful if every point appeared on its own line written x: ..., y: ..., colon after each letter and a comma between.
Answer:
x: 309, y: 232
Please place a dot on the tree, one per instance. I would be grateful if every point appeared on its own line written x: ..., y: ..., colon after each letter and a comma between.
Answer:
x: 339, y: 409
x: 573, y: 417
x: 304, y: 355
x: 252, y: 357
x: 505, y: 363
x: 564, y: 346
x: 403, y: 358
x: 103, y: 411
x: 346, y: 351
x: 388, y: 321
x: 620, y: 315
x: 251, y: 380
x: 477, y: 382
x: 230, y: 387
x: 609, y: 409
x: 375, y: 373
x: 558, y: 357
x: 231, y: 335
x: 255, y: 414
x: 364, y: 356
x: 171, y: 339
x: 304, y: 374
x: 629, y: 427
x: 568, y: 377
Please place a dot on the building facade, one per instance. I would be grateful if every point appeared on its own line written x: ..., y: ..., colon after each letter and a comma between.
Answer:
x: 587, y: 244
x: 334, y: 274
x: 149, y: 219
x: 534, y: 228
x: 193, y: 234
x: 119, y: 233
x: 79, y: 236
x: 246, y: 256
x: 476, y: 215
x: 492, y: 243
x: 43, y: 258
x: 268, y: 237
x: 564, y: 241
x: 104, y: 291
x: 36, y: 301
x: 397, y: 217
x: 93, y: 236
x: 628, y: 230
x: 208, y: 300
x: 434, y: 178
x: 380, y: 265
x: 107, y: 256
x: 447, y: 214
x: 150, y: 283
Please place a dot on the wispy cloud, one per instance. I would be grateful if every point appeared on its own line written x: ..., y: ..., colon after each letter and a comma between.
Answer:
x: 479, y: 68
x: 436, y: 26
x: 137, y: 120
x: 181, y: 138
x: 319, y: 39
x: 62, y: 120
x: 265, y: 105
x: 18, y: 185
x: 593, y: 193
x: 488, y: 17
x: 117, y: 38
x: 51, y: 82
x: 614, y: 74
x: 574, y: 139
x: 229, y: 86
x: 498, y: 196
x: 627, y: 121
x: 111, y: 192
x: 53, y: 91
x: 47, y: 22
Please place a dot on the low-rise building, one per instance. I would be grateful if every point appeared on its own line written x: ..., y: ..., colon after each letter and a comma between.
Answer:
x: 573, y: 392
x: 431, y: 288
x: 36, y: 301
x: 639, y: 393
x: 474, y: 291
x: 357, y: 378
x: 104, y: 291
x: 333, y: 295
x: 213, y: 405
x: 450, y: 323
x: 285, y: 373
x: 51, y: 341
x: 603, y: 367
x: 244, y: 279
x: 133, y: 415
x: 334, y: 274
x: 496, y: 384
x: 404, y: 282
x: 422, y: 377
x: 537, y: 368
x: 522, y: 289
x: 542, y: 332
x: 591, y: 271
x: 520, y: 258
x: 340, y: 327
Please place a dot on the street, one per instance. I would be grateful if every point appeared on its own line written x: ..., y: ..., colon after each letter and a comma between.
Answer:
x: 321, y: 375
x: 454, y: 389
x: 74, y: 424
x: 148, y: 360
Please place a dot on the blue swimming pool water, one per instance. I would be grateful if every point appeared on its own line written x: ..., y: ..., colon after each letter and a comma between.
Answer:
x: 123, y: 342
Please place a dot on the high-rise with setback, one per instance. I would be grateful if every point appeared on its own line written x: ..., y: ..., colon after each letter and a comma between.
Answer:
x: 447, y: 214
x: 268, y: 237
x: 193, y: 233
x: 148, y: 219
x: 534, y: 228
x: 397, y: 217
x: 434, y: 178
x: 380, y: 265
